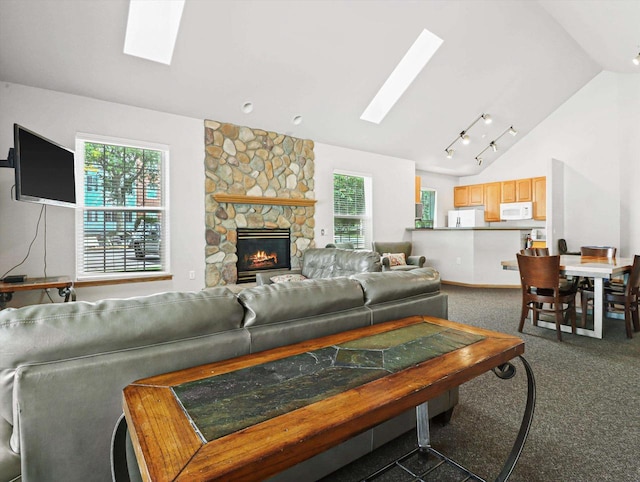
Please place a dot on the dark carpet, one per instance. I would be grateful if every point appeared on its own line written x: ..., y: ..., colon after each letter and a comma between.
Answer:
x: 587, y: 417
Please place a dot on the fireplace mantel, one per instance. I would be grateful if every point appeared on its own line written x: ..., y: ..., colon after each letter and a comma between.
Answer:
x: 272, y: 201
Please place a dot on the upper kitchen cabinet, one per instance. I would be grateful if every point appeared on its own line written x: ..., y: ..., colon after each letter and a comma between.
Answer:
x: 517, y: 190
x: 492, y: 193
x: 468, y: 195
x: 539, y: 188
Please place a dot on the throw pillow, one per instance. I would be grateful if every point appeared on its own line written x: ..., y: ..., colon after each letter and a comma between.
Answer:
x: 283, y: 278
x: 395, y: 259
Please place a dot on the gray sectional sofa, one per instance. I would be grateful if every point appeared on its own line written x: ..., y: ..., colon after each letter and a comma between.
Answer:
x: 63, y: 366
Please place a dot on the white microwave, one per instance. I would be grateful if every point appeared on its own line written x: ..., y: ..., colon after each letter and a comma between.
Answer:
x: 515, y: 211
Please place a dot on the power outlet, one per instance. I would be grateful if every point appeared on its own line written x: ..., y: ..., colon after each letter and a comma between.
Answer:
x: 192, y: 275
x: 458, y: 261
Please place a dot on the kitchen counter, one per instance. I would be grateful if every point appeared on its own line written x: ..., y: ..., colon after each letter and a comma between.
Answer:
x: 471, y: 256
x: 480, y: 228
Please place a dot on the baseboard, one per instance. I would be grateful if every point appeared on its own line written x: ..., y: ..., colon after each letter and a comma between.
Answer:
x: 470, y: 285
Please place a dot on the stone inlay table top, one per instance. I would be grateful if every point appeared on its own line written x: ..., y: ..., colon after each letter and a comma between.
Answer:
x: 254, y: 416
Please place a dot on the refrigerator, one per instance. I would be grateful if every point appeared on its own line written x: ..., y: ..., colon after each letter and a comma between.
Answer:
x: 466, y: 218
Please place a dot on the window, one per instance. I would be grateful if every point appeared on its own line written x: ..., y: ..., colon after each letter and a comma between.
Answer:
x: 352, y: 209
x: 121, y: 223
x: 428, y: 200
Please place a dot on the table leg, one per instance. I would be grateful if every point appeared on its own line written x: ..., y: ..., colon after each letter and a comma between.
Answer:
x: 598, y: 306
x: 422, y: 425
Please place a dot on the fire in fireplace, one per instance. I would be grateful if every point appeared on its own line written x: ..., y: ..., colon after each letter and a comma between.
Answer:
x: 262, y: 249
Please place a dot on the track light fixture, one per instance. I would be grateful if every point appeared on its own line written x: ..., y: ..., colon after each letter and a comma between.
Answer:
x: 493, y: 145
x: 464, y: 136
x: 636, y: 59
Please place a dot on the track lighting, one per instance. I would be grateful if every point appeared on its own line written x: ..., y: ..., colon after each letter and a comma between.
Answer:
x: 464, y: 136
x: 636, y: 60
x: 493, y: 145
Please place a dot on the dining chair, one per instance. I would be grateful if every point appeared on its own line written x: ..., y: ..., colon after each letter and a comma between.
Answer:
x: 540, y: 280
x: 586, y: 285
x: 629, y: 297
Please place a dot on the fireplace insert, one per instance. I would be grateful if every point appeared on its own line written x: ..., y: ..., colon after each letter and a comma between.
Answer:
x: 260, y: 250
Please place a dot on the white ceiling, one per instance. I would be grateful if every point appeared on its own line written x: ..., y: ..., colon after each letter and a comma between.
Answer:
x: 517, y: 60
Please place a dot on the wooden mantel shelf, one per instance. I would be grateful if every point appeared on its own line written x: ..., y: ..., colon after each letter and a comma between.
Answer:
x: 274, y: 201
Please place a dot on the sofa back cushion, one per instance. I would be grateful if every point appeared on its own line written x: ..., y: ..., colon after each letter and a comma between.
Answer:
x: 396, y: 285
x: 47, y: 333
x: 334, y: 262
x: 280, y: 302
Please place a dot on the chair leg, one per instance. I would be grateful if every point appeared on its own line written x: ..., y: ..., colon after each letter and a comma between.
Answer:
x: 585, y: 306
x: 523, y: 315
x: 558, y: 309
x: 627, y: 319
x: 636, y: 321
x: 572, y: 316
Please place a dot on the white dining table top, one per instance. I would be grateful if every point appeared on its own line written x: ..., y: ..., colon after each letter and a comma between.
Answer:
x: 590, y: 266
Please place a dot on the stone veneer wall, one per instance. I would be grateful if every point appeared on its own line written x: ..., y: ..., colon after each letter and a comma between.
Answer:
x: 251, y: 162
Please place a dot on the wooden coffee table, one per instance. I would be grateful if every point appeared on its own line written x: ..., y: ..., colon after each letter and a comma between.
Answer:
x: 251, y: 417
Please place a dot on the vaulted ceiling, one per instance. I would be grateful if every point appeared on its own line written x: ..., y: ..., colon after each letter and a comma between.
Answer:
x: 517, y: 60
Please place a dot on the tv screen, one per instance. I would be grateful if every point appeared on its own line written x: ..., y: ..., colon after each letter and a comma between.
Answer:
x: 45, y: 171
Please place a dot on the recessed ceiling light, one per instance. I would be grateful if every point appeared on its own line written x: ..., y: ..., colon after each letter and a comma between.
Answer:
x: 247, y: 107
x: 297, y: 120
x: 152, y: 29
x: 402, y: 76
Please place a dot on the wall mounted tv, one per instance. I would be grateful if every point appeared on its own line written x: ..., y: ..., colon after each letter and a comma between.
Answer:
x: 45, y: 171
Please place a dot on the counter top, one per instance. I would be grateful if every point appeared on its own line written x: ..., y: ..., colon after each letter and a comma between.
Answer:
x: 480, y: 228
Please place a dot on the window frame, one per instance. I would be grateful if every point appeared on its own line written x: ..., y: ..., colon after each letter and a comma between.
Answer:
x: 367, y: 217
x: 81, y: 209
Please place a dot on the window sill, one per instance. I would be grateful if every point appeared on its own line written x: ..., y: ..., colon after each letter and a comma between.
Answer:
x: 119, y: 281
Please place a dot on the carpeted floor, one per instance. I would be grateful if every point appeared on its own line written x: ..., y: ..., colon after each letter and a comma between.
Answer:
x: 587, y: 417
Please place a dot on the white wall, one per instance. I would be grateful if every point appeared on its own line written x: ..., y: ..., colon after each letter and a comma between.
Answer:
x: 586, y: 134
x: 393, y: 191
x: 59, y: 117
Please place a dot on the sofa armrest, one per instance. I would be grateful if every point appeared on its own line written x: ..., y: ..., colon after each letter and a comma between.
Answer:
x: 265, y: 278
x: 416, y: 261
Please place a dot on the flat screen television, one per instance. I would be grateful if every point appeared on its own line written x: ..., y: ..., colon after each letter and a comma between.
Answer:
x: 45, y: 171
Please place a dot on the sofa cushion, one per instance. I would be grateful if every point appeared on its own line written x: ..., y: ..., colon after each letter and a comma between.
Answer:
x: 394, y: 285
x: 43, y: 333
x: 299, y: 299
x: 334, y: 262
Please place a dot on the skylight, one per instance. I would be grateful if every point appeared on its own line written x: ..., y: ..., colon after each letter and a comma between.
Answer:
x: 152, y: 29
x: 400, y: 79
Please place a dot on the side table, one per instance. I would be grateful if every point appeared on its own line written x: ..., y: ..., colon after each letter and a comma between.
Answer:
x: 63, y: 283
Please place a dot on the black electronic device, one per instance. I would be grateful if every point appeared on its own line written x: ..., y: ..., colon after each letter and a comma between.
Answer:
x: 14, y: 278
x: 45, y: 170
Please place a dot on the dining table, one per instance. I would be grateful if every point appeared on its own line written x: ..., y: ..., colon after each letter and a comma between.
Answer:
x: 597, y: 268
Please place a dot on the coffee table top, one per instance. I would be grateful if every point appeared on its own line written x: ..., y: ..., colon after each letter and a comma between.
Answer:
x: 226, y: 420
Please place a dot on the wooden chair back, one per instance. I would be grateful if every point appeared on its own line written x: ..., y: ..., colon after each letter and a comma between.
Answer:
x: 535, y: 251
x: 539, y: 271
x: 598, y: 251
x: 633, y: 283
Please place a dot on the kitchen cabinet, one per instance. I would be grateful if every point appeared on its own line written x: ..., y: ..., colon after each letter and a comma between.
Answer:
x: 539, y: 188
x: 492, y: 196
x: 523, y: 190
x: 472, y: 195
x: 516, y: 191
x: 508, y: 191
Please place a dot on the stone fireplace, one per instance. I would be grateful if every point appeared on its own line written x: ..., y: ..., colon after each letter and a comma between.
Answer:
x: 261, y: 250
x: 255, y: 179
